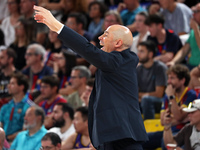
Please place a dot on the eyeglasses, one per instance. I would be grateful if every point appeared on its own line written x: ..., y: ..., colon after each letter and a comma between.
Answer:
x: 30, y: 54
x: 46, y: 148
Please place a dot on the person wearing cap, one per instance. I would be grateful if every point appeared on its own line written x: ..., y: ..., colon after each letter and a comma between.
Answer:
x: 189, y: 135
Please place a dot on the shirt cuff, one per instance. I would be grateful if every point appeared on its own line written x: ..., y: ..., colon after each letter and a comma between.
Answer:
x: 60, y: 29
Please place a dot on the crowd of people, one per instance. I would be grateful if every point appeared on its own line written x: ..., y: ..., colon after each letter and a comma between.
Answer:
x: 45, y: 85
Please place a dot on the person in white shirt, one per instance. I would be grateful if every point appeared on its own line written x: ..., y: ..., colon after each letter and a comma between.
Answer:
x: 62, y: 116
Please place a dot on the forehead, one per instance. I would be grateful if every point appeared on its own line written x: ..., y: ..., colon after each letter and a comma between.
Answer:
x: 78, y: 114
x: 57, y: 107
x: 30, y: 111
x: 30, y: 50
x: 13, y: 80
x: 3, y: 52
x: 46, y: 143
x: 75, y: 72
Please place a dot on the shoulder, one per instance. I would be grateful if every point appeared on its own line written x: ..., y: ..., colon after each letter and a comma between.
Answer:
x: 159, y: 64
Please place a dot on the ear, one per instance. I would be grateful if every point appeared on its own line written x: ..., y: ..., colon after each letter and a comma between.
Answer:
x: 80, y: 26
x: 21, y: 87
x: 58, y: 145
x: 66, y: 115
x: 10, y: 60
x: 151, y: 54
x: 118, y: 43
x: 183, y: 81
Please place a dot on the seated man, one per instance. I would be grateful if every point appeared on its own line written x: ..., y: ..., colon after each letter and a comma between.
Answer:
x: 51, y: 140
x: 31, y: 138
x: 49, y: 95
x: 192, y: 44
x: 152, y: 79
x: 189, y: 135
x: 62, y: 116
x: 12, y: 114
x: 35, y: 60
x: 7, y: 62
x: 167, y: 42
x: 178, y: 96
x: 80, y: 139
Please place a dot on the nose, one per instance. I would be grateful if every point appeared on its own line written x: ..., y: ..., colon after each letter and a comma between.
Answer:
x: 100, y: 37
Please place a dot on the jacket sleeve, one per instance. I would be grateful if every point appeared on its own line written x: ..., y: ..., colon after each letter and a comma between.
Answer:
x: 97, y: 57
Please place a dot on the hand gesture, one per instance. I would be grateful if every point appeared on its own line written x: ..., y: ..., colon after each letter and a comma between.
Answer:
x: 170, y: 90
x: 43, y: 15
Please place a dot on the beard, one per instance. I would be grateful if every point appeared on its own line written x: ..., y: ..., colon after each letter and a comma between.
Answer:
x: 59, y: 123
x: 143, y: 61
x: 29, y: 126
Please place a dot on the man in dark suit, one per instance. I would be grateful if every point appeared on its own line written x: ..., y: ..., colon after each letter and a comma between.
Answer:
x: 114, y: 116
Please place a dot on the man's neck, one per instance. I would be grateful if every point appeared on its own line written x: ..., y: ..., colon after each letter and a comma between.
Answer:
x: 36, y: 68
x: 179, y: 92
x: 172, y: 7
x: 8, y: 70
x: 67, y: 125
x: 148, y: 64
x: 53, y: 97
x: 18, y: 97
x: 34, y: 130
x: 161, y: 36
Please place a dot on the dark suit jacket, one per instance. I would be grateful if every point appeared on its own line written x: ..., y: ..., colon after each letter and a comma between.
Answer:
x: 113, y: 108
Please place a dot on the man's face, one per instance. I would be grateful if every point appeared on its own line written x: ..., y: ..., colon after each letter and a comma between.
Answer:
x: 139, y: 23
x: 80, y: 124
x: 165, y: 3
x: 194, y: 117
x: 47, y: 145
x: 107, y: 40
x: 174, y: 81
x: 143, y: 54
x: 153, y: 29
x: 30, y: 119
x: 58, y: 116
x: 4, y: 59
x: 71, y: 23
x: 26, y: 6
x: 31, y: 57
x: 75, y: 79
x: 13, y: 87
x: 47, y: 91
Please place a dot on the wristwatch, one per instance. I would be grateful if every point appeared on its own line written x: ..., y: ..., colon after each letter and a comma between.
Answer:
x: 171, y: 97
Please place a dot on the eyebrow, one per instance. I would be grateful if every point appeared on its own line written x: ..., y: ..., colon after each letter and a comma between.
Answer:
x: 106, y: 32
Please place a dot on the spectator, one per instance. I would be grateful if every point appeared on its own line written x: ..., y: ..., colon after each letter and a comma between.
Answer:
x: 78, y: 22
x: 53, y: 47
x: 26, y: 9
x: 63, y: 64
x: 24, y: 36
x: 141, y: 28
x: 167, y: 42
x: 31, y: 138
x: 189, y: 135
x: 12, y: 114
x: 193, y: 43
x: 96, y: 12
x: 36, y: 70
x: 177, y: 16
x: 51, y: 140
x: 63, y: 115
x: 152, y: 79
x: 128, y: 10
x: 7, y: 61
x: 178, y: 96
x: 9, y: 22
x: 75, y: 141
x: 78, y: 80
x: 86, y: 94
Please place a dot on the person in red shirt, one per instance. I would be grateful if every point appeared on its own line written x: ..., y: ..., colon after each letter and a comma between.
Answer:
x: 49, y: 93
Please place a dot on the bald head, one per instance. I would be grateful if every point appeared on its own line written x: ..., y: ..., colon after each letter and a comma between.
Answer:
x: 122, y: 33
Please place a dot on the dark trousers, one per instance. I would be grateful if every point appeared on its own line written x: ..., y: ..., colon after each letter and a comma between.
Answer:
x: 123, y: 144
